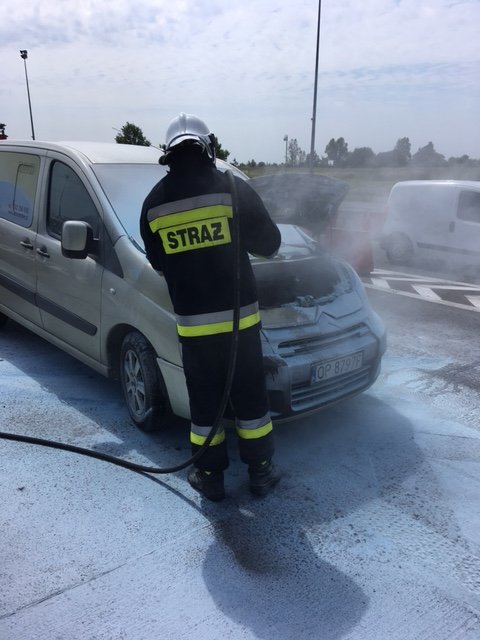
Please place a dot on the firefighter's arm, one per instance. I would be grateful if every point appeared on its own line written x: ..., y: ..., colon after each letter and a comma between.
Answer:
x: 260, y: 235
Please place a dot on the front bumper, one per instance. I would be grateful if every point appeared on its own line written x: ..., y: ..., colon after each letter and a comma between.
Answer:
x: 289, y: 366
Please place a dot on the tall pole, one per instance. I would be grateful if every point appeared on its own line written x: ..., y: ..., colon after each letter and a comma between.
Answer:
x: 314, y: 115
x: 285, y: 139
x: 24, y: 56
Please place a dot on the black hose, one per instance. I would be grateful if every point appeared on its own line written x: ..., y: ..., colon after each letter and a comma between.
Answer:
x: 228, y: 381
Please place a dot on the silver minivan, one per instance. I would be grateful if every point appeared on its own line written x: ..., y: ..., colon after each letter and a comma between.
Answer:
x: 73, y: 269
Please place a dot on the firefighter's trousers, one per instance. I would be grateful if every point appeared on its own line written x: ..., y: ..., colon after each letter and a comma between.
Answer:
x: 205, y: 362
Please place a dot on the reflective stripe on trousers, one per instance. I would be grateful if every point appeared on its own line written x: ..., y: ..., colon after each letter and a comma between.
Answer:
x: 253, y: 429
x: 246, y: 430
x: 208, y: 324
x: 198, y: 435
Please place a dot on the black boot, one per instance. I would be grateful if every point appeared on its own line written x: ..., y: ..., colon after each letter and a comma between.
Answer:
x: 263, y: 477
x: 209, y: 484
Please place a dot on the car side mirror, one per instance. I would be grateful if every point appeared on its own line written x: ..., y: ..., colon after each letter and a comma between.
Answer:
x: 77, y: 239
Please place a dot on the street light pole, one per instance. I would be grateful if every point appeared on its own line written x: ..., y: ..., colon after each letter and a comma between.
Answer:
x: 24, y: 56
x: 314, y: 115
x: 285, y: 139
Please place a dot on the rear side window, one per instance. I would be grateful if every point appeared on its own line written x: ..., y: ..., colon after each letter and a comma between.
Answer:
x: 18, y: 185
x: 469, y: 206
x: 69, y: 199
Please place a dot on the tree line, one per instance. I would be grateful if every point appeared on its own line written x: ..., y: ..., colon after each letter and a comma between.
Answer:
x: 336, y: 154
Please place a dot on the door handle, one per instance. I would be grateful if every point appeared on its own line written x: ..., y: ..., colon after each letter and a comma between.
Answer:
x: 451, y: 226
x: 43, y: 252
x: 26, y: 244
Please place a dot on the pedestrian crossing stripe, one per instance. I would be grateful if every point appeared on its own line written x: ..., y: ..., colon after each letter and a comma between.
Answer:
x: 475, y: 300
x: 426, y: 292
x: 456, y: 294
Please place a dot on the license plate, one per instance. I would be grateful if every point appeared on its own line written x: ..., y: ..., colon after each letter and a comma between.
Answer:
x: 337, y: 367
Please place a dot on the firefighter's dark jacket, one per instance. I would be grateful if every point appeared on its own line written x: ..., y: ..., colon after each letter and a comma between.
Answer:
x: 186, y: 226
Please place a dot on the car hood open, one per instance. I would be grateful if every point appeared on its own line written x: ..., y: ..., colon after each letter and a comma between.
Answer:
x: 310, y: 201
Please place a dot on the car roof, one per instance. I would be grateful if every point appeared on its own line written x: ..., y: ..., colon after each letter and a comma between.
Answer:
x: 108, y: 152
x: 462, y: 184
x: 96, y: 152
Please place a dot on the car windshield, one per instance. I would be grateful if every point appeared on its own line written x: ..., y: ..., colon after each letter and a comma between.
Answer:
x: 126, y: 186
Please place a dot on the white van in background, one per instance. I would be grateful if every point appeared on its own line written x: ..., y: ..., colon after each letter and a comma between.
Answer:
x: 434, y: 219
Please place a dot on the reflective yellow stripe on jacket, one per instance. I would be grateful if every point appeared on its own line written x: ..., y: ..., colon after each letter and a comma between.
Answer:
x: 209, y: 324
x: 192, y: 223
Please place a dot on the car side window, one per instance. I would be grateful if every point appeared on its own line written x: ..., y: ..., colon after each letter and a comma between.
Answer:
x: 469, y: 206
x: 68, y: 199
x: 18, y: 185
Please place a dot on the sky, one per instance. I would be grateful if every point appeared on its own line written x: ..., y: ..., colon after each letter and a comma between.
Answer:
x: 387, y: 69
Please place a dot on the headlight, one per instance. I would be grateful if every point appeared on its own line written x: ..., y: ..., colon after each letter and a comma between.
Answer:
x: 355, y: 282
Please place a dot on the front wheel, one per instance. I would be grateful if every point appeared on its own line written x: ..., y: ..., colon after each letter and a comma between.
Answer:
x: 142, y: 383
x: 399, y: 248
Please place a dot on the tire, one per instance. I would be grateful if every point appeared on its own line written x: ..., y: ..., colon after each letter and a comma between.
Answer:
x: 399, y: 249
x: 142, y: 384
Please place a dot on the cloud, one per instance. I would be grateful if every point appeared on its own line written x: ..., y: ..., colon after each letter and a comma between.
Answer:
x: 235, y: 64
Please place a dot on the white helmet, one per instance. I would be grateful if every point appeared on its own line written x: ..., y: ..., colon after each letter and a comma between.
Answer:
x: 187, y: 127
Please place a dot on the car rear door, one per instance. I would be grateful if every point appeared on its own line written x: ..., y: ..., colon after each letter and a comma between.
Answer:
x: 19, y: 180
x: 68, y: 290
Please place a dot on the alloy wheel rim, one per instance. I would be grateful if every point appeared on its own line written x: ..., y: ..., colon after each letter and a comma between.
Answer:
x: 134, y: 383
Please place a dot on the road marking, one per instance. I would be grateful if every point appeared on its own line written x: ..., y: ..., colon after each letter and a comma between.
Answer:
x: 381, y: 283
x: 399, y: 275
x: 475, y: 300
x: 461, y: 295
x: 426, y: 292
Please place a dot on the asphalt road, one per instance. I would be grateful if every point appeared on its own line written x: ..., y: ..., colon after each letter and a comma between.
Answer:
x: 373, y: 534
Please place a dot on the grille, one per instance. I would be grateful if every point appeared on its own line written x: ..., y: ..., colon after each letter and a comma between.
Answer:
x: 306, y: 396
x: 307, y: 345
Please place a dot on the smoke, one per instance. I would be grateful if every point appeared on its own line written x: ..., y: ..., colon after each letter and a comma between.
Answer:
x: 295, y: 281
x: 311, y: 201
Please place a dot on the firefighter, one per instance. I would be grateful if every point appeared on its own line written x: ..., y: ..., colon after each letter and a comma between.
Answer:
x: 186, y: 225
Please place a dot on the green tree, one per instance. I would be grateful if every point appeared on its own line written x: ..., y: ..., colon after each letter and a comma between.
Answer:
x: 222, y: 154
x: 399, y: 156
x: 403, y: 151
x: 294, y: 152
x: 131, y: 134
x: 361, y: 157
x: 428, y: 157
x: 464, y: 160
x: 337, y: 151
x: 387, y: 159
